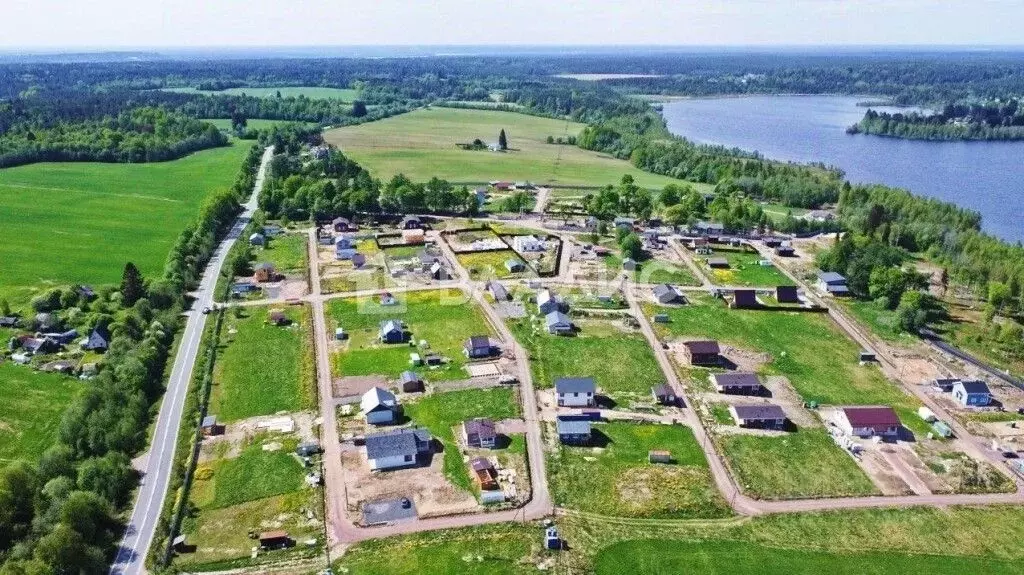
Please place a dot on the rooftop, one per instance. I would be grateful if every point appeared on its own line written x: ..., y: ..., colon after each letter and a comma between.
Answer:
x: 703, y: 346
x: 736, y: 379
x: 575, y: 385
x: 572, y: 426
x: 765, y: 411
x: 396, y: 443
x: 831, y: 277
x: 871, y: 416
x: 975, y: 386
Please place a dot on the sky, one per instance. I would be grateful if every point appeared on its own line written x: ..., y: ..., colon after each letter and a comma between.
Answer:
x: 267, y: 23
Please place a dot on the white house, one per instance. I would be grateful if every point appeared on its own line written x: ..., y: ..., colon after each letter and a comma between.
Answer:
x: 547, y: 302
x: 868, y: 422
x: 524, y: 244
x: 575, y: 391
x: 379, y: 406
x: 557, y: 323
x: 396, y: 449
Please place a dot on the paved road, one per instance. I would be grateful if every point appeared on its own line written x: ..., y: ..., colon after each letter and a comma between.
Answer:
x: 131, y: 554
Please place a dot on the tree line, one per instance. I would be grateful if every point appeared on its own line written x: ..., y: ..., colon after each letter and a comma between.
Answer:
x: 997, y: 120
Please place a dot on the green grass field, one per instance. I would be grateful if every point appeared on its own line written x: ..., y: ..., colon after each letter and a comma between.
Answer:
x: 732, y: 558
x: 489, y: 265
x: 66, y: 223
x: 618, y: 480
x: 817, y: 357
x: 33, y: 403
x: 744, y: 270
x: 445, y: 319
x: 804, y: 464
x: 288, y: 253
x: 263, y: 368
x: 441, y: 412
x: 311, y: 92
x: 622, y: 363
x: 422, y: 144
x: 254, y: 474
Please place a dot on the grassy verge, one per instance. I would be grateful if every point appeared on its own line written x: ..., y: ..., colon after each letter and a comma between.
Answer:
x: 33, y: 403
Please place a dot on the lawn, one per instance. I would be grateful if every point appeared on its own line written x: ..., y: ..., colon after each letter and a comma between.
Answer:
x: 618, y: 480
x: 311, y: 92
x: 254, y: 474
x: 445, y: 319
x: 80, y: 222
x: 488, y: 265
x: 288, y: 253
x: 441, y: 412
x: 744, y: 270
x: 654, y: 271
x: 808, y: 348
x: 422, y: 144
x: 805, y: 464
x: 622, y: 362
x: 262, y: 368
x: 744, y: 558
x: 503, y: 549
x: 33, y: 403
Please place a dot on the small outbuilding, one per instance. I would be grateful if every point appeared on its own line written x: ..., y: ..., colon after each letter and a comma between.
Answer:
x: 785, y: 251
x: 265, y: 272
x: 744, y: 299
x: 484, y: 473
x: 659, y: 456
x: 664, y: 394
x: 787, y: 294
x: 629, y: 264
x: 277, y: 317
x: 270, y: 540
x: 210, y: 427
x: 478, y: 347
x: 410, y: 382
x: 392, y: 331
x: 257, y: 239
x: 718, y: 263
x: 513, y: 266
x: 498, y: 291
x: 342, y: 225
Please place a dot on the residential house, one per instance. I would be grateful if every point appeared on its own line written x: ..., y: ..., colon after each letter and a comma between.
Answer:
x: 240, y: 289
x: 772, y: 242
x: 623, y: 223
x: 40, y: 345
x: 576, y: 391
x: 573, y: 430
x: 271, y: 230
x: 868, y: 422
x: 410, y: 382
x: 257, y: 239
x: 665, y: 294
x: 412, y: 223
x: 397, y: 449
x: 392, y: 331
x: 763, y: 416
x: 738, y: 383
x: 706, y: 227
x: 744, y: 299
x: 46, y: 321
x: 787, y: 294
x: 502, y: 186
x: 98, y: 341
x: 972, y: 393
x: 558, y: 323
x: 702, y: 352
x: 265, y: 272
x: 344, y: 248
x: 833, y: 283
x: 664, y: 394
x: 9, y: 321
x: 478, y: 347
x: 514, y: 265
x: 718, y: 263
x: 379, y: 406
x: 484, y: 473
x: 697, y: 243
x: 342, y: 225
x: 278, y: 539
x: 524, y: 244
x: 479, y: 433
x: 498, y: 291
x: 547, y: 301
x: 785, y: 251
x: 439, y: 272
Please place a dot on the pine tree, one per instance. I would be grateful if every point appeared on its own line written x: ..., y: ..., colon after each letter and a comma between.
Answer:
x: 132, y: 287
x: 502, y: 140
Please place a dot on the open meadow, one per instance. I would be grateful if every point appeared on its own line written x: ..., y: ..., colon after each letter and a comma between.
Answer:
x: 422, y: 144
x: 311, y: 92
x: 745, y: 270
x: 444, y: 319
x: 617, y: 479
x: 33, y: 403
x: 262, y: 368
x: 66, y: 223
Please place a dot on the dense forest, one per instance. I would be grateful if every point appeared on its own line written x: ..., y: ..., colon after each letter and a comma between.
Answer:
x: 996, y: 120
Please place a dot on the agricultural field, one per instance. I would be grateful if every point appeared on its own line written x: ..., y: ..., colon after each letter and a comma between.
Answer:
x: 618, y: 357
x: 744, y: 270
x: 33, y: 403
x: 250, y: 491
x: 443, y: 413
x: 444, y: 319
x: 90, y: 218
x: 311, y: 92
x: 262, y: 368
x: 819, y: 360
x: 422, y: 144
x: 489, y: 265
x: 617, y: 479
x: 804, y: 464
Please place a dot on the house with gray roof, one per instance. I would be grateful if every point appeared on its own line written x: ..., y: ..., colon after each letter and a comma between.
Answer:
x: 410, y: 382
x: 575, y: 391
x: 762, y: 416
x: 547, y: 301
x: 573, y: 430
x: 478, y: 347
x: 392, y: 331
x: 833, y: 283
x: 514, y: 265
x: 665, y: 294
x: 396, y: 449
x: 557, y: 323
x: 737, y: 383
x: 379, y: 406
x: 498, y: 291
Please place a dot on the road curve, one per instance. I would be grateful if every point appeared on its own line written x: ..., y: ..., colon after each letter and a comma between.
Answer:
x: 159, y: 461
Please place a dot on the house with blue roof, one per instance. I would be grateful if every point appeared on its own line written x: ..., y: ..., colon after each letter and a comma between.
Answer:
x: 972, y: 393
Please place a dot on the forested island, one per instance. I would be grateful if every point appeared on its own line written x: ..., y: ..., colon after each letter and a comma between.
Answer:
x: 995, y: 120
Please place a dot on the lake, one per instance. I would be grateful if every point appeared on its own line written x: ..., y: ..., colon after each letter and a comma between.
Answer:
x: 983, y: 176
